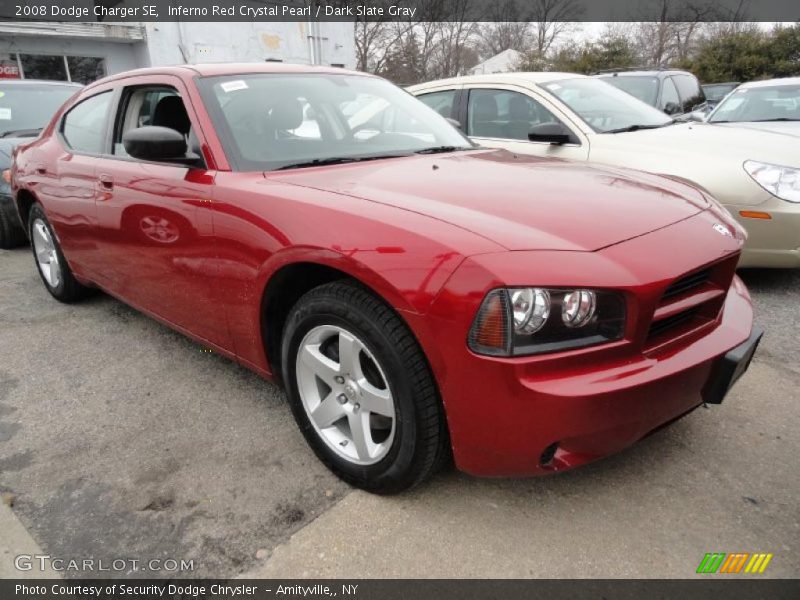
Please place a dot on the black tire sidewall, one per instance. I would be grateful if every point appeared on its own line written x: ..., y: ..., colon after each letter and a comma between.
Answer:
x: 397, y: 466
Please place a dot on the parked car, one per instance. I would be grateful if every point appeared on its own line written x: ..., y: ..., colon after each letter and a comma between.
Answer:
x: 415, y: 294
x: 25, y: 107
x: 672, y: 91
x: 772, y: 105
x: 754, y: 174
x: 715, y: 92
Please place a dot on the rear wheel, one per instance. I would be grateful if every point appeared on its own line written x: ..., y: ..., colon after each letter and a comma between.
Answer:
x: 50, y: 262
x: 361, y: 389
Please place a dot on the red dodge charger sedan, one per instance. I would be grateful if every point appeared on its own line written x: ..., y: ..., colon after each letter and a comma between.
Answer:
x: 418, y: 296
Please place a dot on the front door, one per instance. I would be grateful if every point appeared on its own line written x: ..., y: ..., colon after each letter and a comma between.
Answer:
x: 502, y: 117
x: 154, y: 226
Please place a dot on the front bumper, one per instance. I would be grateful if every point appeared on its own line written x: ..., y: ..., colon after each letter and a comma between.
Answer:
x: 512, y: 418
x: 774, y: 242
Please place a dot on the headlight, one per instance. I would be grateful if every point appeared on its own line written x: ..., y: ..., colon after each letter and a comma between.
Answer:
x: 783, y: 182
x: 519, y: 321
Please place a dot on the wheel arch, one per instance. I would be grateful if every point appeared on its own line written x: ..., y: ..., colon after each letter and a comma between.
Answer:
x: 289, y: 281
x: 24, y: 201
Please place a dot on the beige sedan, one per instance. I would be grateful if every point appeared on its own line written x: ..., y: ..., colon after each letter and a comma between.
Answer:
x: 754, y: 174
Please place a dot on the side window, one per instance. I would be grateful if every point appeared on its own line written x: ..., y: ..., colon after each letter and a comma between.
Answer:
x: 670, y: 101
x: 504, y: 114
x: 84, y: 126
x: 441, y: 102
x: 143, y: 106
x: 689, y: 90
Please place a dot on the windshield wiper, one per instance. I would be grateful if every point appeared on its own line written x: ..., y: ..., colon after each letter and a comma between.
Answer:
x: 336, y: 160
x: 20, y: 133
x: 638, y: 127
x: 775, y: 119
x: 440, y: 149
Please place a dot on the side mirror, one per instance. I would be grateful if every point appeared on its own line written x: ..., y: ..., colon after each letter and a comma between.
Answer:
x: 672, y: 108
x: 554, y: 133
x: 157, y: 144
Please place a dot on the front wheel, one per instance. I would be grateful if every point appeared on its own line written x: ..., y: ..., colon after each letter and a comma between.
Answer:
x: 361, y: 389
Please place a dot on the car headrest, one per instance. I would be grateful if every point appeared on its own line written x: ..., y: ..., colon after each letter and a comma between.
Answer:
x: 485, y: 108
x: 286, y: 114
x: 518, y: 109
x: 170, y: 112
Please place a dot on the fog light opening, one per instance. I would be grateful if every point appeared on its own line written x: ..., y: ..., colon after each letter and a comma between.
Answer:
x: 546, y: 459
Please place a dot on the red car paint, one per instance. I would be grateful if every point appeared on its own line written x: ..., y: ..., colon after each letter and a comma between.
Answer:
x: 431, y: 235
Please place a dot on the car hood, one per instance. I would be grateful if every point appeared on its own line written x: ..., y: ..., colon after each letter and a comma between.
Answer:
x: 521, y: 203
x: 694, y: 142
x: 791, y: 128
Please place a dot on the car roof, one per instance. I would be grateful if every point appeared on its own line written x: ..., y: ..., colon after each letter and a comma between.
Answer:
x: 509, y: 78
x: 772, y: 82
x: 215, y: 69
x: 643, y: 72
x: 39, y: 82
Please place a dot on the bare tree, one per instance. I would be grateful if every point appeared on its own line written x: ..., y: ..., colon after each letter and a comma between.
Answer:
x: 551, y: 19
x: 374, y: 40
x: 506, y: 28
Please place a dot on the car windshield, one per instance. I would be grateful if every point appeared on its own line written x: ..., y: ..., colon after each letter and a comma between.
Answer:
x: 716, y: 91
x: 642, y: 87
x: 283, y: 121
x: 28, y: 106
x: 768, y: 103
x: 605, y: 108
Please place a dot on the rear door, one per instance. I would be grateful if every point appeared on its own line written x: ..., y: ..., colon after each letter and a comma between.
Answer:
x: 502, y: 116
x: 154, y: 225
x: 66, y: 178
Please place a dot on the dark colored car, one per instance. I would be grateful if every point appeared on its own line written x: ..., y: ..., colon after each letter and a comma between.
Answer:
x: 672, y: 91
x: 715, y: 92
x: 416, y: 294
x: 26, y: 106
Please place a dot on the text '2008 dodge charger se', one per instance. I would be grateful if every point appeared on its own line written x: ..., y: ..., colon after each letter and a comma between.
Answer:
x: 416, y: 295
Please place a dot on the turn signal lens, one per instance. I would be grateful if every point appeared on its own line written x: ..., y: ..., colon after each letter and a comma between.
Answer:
x: 754, y: 214
x: 489, y: 333
x: 578, y: 308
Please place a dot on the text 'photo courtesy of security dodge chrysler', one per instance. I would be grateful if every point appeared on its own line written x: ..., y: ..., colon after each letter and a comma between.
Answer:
x: 418, y: 296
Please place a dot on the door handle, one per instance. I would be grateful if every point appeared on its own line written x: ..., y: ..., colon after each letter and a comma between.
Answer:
x: 106, y: 182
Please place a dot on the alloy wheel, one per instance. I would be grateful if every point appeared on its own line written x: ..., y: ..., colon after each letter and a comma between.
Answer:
x: 345, y: 394
x: 46, y: 254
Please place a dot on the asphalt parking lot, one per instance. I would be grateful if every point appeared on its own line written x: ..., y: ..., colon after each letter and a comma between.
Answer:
x: 122, y: 439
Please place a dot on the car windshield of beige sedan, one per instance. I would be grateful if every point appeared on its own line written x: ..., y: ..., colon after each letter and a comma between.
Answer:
x: 768, y: 103
x: 605, y: 108
x: 270, y: 122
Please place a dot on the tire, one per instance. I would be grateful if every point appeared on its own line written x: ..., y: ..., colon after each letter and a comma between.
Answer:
x: 63, y: 287
x: 11, y: 232
x: 403, y: 449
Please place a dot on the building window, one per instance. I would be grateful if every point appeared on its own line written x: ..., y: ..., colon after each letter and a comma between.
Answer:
x: 41, y: 66
x: 85, y: 69
x: 56, y: 67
